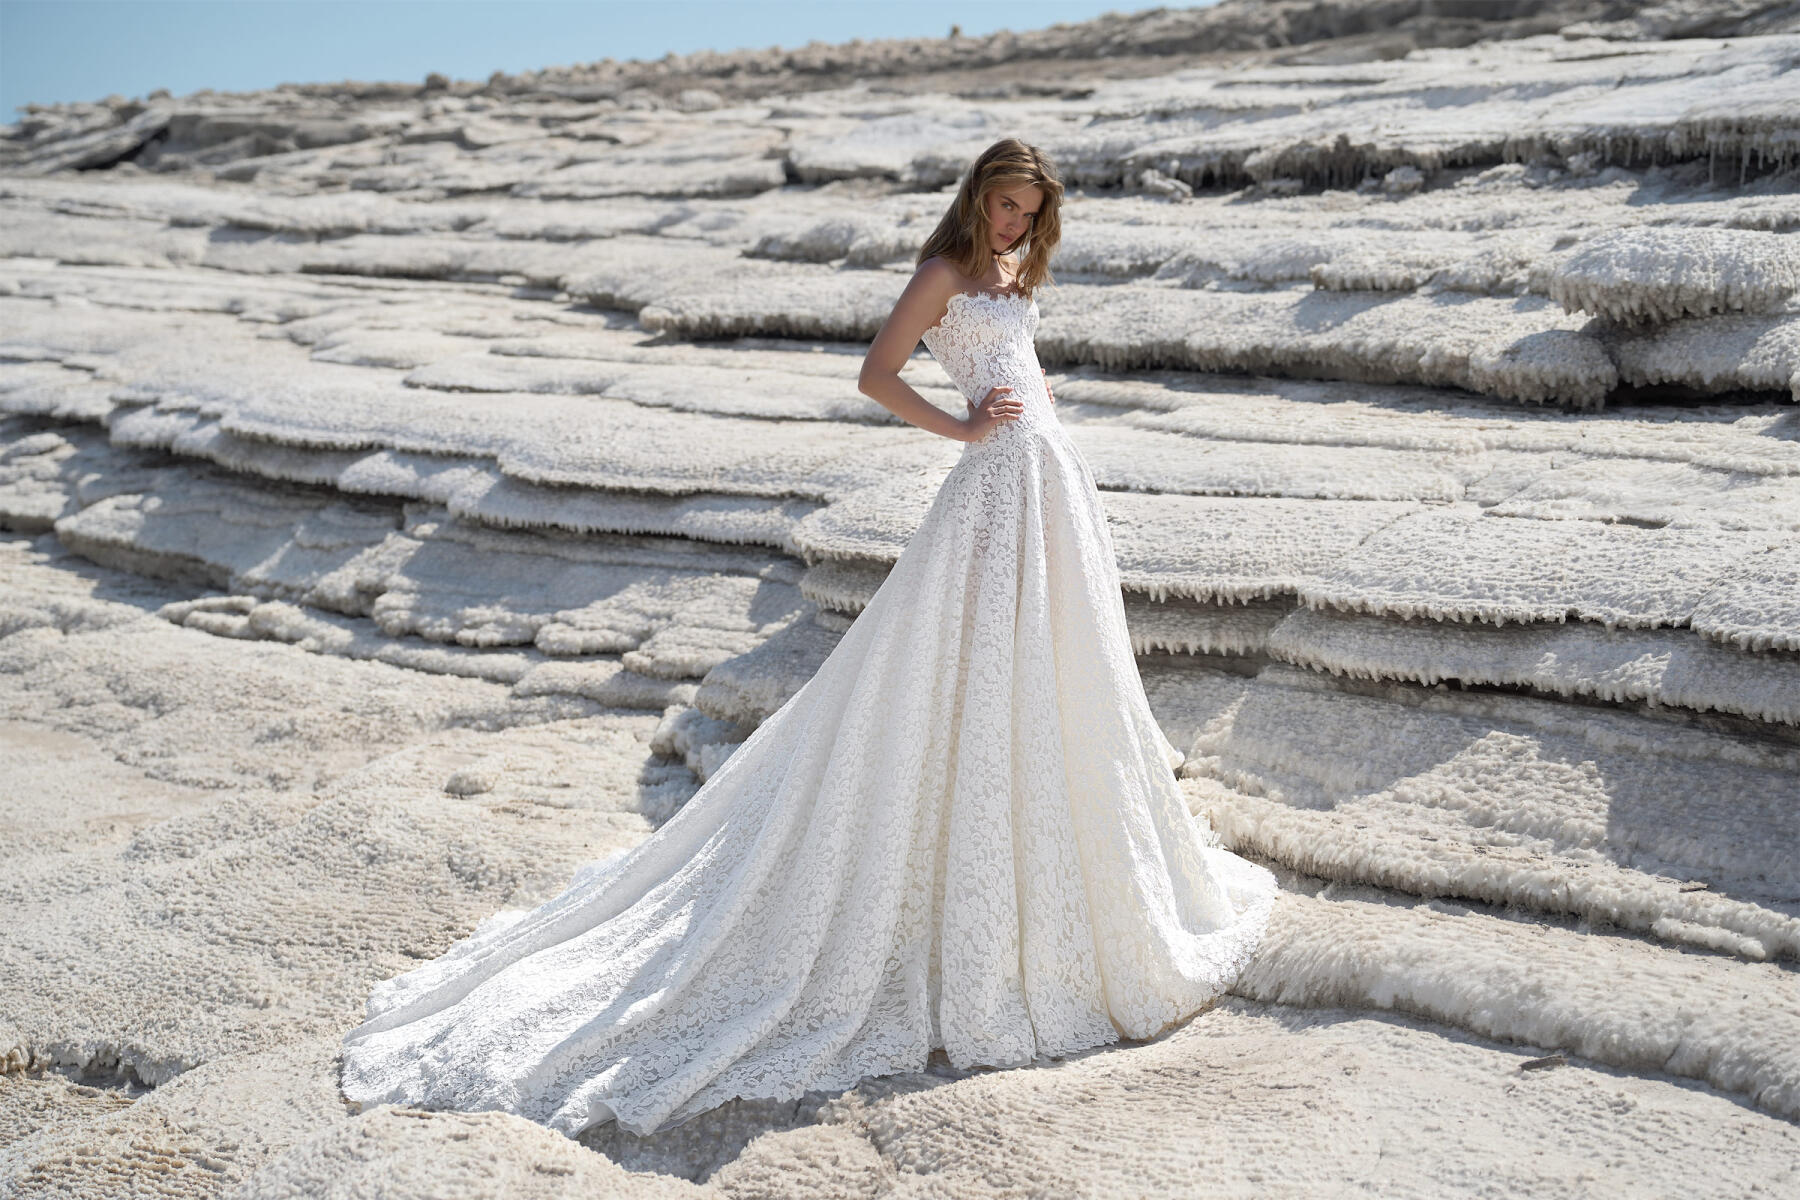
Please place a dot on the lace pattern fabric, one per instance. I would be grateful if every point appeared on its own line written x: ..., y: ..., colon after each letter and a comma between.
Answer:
x: 962, y: 833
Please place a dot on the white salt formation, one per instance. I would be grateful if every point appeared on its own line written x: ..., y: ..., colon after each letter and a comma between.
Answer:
x: 412, y: 494
x: 1654, y: 274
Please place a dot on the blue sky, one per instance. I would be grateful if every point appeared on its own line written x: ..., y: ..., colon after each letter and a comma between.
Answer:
x: 85, y: 49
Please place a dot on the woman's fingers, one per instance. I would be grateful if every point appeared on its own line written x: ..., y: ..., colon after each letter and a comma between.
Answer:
x: 1001, y: 405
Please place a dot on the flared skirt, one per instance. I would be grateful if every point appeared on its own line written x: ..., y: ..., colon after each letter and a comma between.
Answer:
x: 963, y: 832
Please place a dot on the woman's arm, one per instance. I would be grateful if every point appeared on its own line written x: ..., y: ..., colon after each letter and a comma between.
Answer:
x: 920, y: 307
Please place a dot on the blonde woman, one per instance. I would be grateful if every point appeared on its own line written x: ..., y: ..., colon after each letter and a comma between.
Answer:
x: 963, y: 833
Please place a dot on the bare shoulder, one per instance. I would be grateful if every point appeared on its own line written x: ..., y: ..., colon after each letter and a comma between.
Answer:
x: 938, y: 276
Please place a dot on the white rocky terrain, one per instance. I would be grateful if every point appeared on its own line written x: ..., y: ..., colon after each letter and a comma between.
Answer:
x: 412, y: 493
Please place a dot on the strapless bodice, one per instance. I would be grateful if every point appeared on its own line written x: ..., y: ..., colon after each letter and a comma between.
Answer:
x: 985, y: 341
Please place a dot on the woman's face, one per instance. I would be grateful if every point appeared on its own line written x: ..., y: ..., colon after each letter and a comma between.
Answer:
x: 1010, y: 214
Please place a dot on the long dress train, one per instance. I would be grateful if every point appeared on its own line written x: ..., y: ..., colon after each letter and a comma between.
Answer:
x: 963, y: 832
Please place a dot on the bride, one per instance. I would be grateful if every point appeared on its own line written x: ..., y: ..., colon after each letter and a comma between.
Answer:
x: 963, y: 832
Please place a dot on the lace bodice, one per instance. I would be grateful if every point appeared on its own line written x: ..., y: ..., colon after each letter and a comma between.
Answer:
x: 985, y: 341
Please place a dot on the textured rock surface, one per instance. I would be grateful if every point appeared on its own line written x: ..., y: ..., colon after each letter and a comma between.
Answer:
x: 412, y: 494
x: 1665, y: 274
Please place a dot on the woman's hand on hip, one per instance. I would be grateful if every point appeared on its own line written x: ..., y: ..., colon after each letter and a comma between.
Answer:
x: 996, y: 408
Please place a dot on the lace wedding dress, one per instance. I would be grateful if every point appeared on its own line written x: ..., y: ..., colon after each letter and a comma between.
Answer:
x: 963, y: 832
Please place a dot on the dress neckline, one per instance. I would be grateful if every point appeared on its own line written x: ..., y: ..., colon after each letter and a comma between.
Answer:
x: 993, y: 295
x: 978, y: 295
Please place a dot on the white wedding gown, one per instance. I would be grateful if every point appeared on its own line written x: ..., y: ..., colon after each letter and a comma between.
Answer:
x: 963, y: 832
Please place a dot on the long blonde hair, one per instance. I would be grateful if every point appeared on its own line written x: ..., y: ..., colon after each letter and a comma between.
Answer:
x: 962, y: 236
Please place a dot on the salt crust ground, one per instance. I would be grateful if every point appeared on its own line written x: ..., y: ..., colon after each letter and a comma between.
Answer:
x: 467, y: 477
x: 238, y: 950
